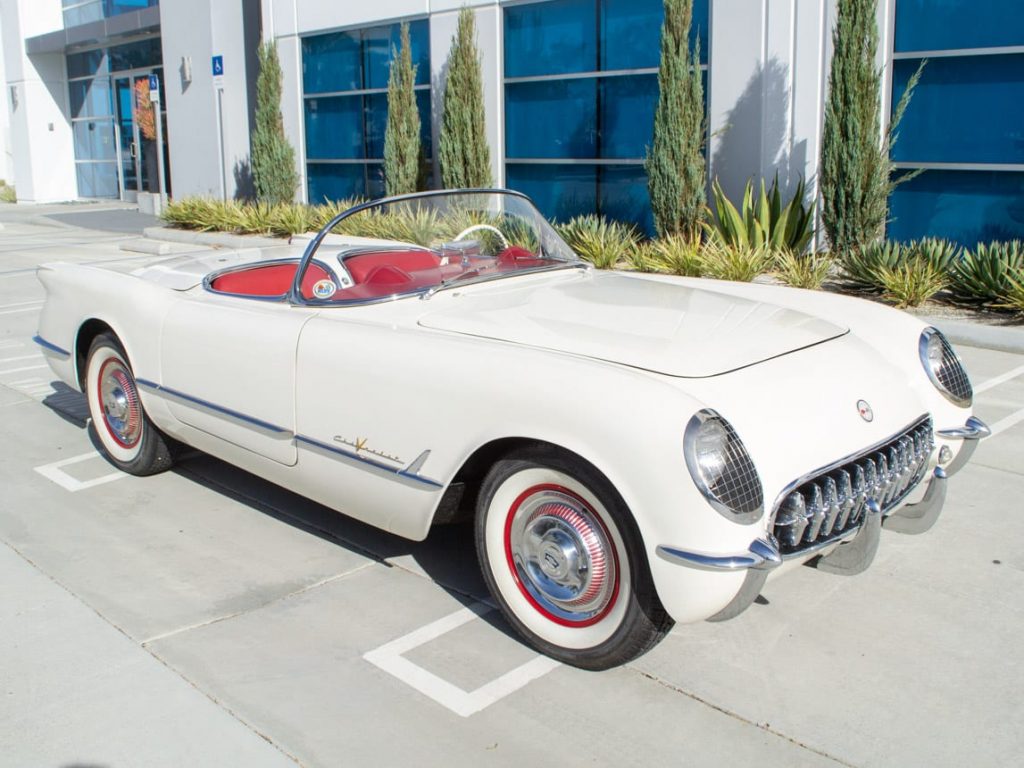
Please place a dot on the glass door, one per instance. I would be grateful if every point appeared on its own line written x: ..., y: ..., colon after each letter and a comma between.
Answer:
x: 137, y: 135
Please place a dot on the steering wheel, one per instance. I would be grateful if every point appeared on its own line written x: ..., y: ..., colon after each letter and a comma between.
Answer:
x: 488, y: 227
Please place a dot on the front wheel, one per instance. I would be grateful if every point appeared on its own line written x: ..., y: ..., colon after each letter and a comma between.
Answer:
x: 564, y: 561
x: 124, y: 430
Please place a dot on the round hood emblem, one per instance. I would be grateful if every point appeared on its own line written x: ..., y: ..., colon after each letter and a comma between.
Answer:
x: 865, y: 410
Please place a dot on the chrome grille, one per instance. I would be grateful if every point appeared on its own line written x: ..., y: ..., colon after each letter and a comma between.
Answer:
x: 952, y: 376
x: 831, y: 503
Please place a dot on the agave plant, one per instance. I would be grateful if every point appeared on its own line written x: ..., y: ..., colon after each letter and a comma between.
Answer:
x: 1013, y: 296
x: 861, y: 267
x: 740, y: 263
x: 984, y: 275
x: 641, y: 257
x: 291, y: 219
x: 763, y: 220
x: 602, y: 242
x: 807, y: 271
x: 912, y: 283
x: 678, y: 255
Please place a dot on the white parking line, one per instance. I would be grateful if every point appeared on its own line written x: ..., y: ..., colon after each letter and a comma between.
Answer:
x: 21, y: 357
x: 10, y: 344
x: 464, y: 703
x: 997, y: 380
x: 25, y: 368
x: 1005, y: 423
x: 25, y: 309
x: 67, y: 482
x: 21, y: 304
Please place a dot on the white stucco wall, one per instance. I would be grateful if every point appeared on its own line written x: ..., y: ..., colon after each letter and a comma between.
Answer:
x: 199, y: 30
x: 40, y: 127
x: 6, y: 161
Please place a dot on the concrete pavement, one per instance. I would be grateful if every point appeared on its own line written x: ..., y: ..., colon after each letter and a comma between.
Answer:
x: 205, y: 617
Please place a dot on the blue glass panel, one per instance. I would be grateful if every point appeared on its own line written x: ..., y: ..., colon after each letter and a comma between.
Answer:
x: 624, y: 196
x: 376, y: 124
x: 91, y: 98
x: 551, y: 38
x: 631, y: 32
x: 560, y: 191
x: 85, y: 64
x: 97, y: 179
x: 932, y: 25
x: 83, y: 14
x: 331, y: 63
x: 426, y: 138
x: 334, y: 127
x: 94, y: 139
x: 965, y: 206
x: 966, y: 109
x: 551, y: 118
x: 335, y: 181
x: 377, y: 45
x: 627, y: 115
x: 144, y: 53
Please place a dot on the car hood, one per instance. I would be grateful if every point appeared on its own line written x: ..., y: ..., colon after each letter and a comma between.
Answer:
x: 667, y: 327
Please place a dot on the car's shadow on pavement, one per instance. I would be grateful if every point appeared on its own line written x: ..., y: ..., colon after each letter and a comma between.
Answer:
x: 447, y: 556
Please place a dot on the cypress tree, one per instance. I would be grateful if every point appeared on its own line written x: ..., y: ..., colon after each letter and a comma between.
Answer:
x: 273, y: 158
x: 402, y: 135
x: 856, y: 173
x: 676, y: 175
x: 462, y: 145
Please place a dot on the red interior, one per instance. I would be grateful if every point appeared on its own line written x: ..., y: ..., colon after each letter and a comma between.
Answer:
x: 269, y: 280
x: 376, y: 274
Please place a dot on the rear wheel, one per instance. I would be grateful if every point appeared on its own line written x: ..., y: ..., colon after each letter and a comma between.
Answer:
x: 118, y: 419
x: 563, y: 558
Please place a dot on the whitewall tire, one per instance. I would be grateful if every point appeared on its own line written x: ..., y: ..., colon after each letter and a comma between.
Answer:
x: 119, y: 421
x: 564, y: 560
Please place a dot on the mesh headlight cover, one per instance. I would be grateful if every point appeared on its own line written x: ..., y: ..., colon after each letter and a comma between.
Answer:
x: 721, y: 467
x: 943, y: 366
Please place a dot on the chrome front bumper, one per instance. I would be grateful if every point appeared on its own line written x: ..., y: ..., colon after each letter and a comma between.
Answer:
x: 852, y: 554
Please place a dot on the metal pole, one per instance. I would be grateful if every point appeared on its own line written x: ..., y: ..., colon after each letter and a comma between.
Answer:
x: 160, y: 174
x: 220, y: 144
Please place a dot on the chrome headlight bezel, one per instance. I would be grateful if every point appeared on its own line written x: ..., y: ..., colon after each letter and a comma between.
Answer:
x: 950, y: 360
x: 737, y: 467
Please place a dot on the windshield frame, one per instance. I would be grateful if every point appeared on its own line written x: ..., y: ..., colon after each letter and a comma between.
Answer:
x: 296, y: 298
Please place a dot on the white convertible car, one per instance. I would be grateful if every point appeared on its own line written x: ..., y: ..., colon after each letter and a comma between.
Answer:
x: 636, y: 449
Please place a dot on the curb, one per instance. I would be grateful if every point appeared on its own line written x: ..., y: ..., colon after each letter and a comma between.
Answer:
x: 1001, y: 339
x: 224, y: 239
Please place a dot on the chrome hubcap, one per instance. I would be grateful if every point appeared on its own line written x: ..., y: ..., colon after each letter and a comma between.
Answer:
x: 122, y: 414
x: 561, y: 555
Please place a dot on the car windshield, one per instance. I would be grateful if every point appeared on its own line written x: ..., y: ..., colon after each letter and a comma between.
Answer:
x: 419, y: 244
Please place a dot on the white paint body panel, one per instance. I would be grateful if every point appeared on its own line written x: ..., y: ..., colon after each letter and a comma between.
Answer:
x: 376, y: 386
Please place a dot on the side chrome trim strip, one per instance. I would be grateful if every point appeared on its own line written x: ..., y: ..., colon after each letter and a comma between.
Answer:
x: 220, y: 410
x: 406, y: 474
x: 50, y: 347
x: 762, y: 555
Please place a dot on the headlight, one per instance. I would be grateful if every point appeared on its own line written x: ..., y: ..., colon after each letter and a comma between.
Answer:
x: 721, y: 467
x: 944, y: 368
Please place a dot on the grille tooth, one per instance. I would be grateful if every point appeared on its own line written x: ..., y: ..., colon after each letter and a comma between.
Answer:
x: 847, y: 500
x: 815, y: 511
x: 831, y: 504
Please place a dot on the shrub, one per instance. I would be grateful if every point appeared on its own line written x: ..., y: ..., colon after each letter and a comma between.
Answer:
x: 273, y: 159
x: 675, y: 163
x: 462, y: 149
x: 602, y: 242
x: 291, y: 219
x: 764, y: 220
x: 402, y: 151
x: 856, y: 174
x: 984, y: 275
x: 7, y: 194
x: 678, y: 255
x: 911, y: 283
x: 641, y: 257
x: 739, y: 263
x: 807, y: 271
x: 1013, y: 295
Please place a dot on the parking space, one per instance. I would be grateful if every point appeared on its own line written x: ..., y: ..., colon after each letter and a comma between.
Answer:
x: 232, y: 622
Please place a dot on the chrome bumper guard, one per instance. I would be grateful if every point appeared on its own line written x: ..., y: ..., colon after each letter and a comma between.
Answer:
x: 974, y: 430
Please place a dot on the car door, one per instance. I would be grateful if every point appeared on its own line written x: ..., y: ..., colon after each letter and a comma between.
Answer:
x: 228, y: 368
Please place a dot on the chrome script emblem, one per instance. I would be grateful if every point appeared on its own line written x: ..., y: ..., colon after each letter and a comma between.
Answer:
x: 865, y: 410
